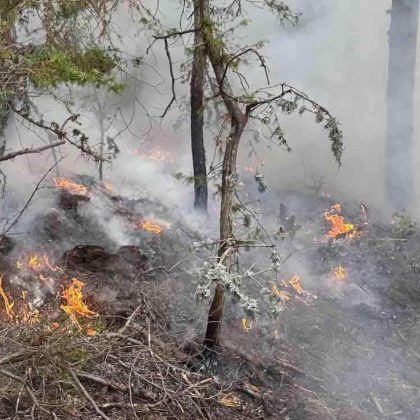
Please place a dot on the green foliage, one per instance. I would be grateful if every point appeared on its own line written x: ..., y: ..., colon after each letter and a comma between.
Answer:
x: 186, y: 179
x: 48, y: 66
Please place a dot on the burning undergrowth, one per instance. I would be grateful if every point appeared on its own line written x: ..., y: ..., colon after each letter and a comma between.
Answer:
x: 349, y: 288
x: 85, y: 330
x: 356, y: 341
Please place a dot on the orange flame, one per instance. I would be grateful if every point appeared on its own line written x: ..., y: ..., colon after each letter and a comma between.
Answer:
x: 74, y: 298
x: 108, y: 187
x: 338, y: 226
x: 280, y: 293
x: 295, y: 283
x: 7, y: 305
x: 151, y: 226
x: 246, y: 325
x: 35, y: 262
x: 66, y: 184
x: 340, y: 273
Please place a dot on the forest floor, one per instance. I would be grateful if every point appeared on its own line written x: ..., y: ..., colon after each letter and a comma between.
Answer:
x: 351, y: 353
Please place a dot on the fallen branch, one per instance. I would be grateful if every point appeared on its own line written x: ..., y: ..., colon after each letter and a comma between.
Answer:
x: 27, y: 388
x: 99, y: 380
x: 15, y: 357
x: 86, y: 394
x: 143, y: 407
x: 31, y: 150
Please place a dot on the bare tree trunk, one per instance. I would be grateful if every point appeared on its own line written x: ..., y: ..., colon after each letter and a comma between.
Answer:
x: 197, y: 110
x: 239, y: 119
x: 102, y: 144
x: 215, y: 317
x: 4, y: 116
x: 401, y: 80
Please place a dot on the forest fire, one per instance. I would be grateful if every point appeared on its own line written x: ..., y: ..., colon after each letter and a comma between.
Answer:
x: 284, y: 295
x: 25, y: 314
x: 7, y: 304
x: 246, y: 325
x: 70, y: 186
x: 21, y: 308
x: 340, y: 273
x: 151, y: 226
x: 35, y: 262
x: 74, y: 302
x: 294, y: 281
x: 154, y: 154
x: 339, y: 227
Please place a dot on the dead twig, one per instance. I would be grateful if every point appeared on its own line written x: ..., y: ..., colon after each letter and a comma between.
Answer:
x: 377, y: 404
x: 164, y: 269
x: 14, y: 357
x: 86, y: 394
x: 27, y: 389
x: 99, y: 380
x: 143, y: 407
x: 7, y: 229
x: 129, y: 320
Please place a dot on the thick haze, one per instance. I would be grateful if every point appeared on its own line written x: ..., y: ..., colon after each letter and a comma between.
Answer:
x: 338, y: 56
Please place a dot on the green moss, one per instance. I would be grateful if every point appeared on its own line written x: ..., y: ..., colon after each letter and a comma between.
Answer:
x: 79, y: 355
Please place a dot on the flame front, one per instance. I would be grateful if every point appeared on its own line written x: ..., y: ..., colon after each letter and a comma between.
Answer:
x: 338, y: 226
x: 340, y: 273
x: 74, y: 299
x: 66, y: 184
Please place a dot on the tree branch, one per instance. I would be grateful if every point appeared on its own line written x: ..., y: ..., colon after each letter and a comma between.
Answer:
x: 28, y: 202
x: 31, y: 150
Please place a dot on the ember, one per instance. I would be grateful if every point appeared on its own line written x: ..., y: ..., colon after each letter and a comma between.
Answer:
x: 340, y: 273
x: 338, y: 226
x: 70, y: 186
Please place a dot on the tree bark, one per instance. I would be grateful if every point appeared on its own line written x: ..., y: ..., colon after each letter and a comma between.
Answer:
x: 197, y: 110
x: 401, y: 81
